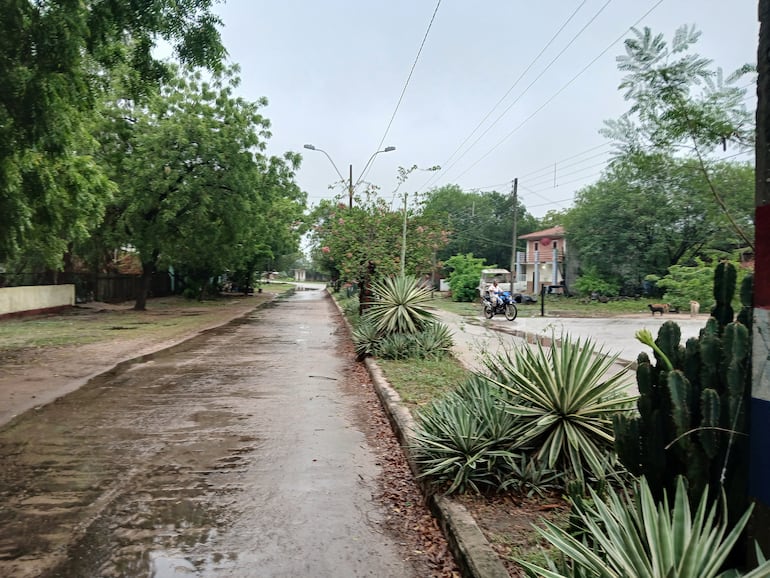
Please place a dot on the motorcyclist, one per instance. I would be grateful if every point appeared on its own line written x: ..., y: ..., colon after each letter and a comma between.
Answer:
x: 494, y: 291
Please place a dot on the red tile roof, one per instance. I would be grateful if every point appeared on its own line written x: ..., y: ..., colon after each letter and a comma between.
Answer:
x: 554, y: 232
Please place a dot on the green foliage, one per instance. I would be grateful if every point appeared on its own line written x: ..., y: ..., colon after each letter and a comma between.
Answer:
x: 635, y: 536
x: 365, y: 338
x: 692, y: 409
x: 650, y: 211
x: 434, y: 341
x: 590, y: 282
x: 684, y: 284
x: 564, y: 398
x: 465, y: 271
x: 347, y: 241
x: 50, y: 182
x: 480, y: 223
x: 464, y: 440
x: 400, y: 306
x: 194, y: 190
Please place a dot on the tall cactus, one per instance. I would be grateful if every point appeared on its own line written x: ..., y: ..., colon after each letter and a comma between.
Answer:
x: 692, y: 409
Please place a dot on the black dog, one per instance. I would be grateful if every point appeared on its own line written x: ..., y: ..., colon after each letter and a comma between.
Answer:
x: 658, y: 308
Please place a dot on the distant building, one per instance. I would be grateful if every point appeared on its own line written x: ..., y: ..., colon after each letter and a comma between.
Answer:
x: 544, y: 263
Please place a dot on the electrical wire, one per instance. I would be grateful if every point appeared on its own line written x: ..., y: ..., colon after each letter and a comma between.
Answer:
x: 531, y: 84
x: 514, y: 85
x: 406, y: 84
x: 562, y: 89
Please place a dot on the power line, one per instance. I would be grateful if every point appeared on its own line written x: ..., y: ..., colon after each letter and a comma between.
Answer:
x: 406, y: 84
x: 538, y: 77
x: 562, y: 89
x: 560, y: 163
x: 539, y: 181
x: 516, y: 82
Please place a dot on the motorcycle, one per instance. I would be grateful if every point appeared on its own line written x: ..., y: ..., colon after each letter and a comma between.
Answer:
x: 505, y: 304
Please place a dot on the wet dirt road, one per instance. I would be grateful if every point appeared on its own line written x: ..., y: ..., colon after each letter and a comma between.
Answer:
x: 239, y: 453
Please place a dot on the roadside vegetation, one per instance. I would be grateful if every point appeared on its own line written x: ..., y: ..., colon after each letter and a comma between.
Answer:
x: 165, y: 318
x: 552, y: 423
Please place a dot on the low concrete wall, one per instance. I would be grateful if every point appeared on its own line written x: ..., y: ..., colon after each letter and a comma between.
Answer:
x: 19, y: 300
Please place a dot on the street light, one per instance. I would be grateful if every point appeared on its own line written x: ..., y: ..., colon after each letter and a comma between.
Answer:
x: 351, y: 186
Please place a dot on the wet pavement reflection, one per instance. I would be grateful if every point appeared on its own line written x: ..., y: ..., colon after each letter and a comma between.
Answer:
x: 233, y: 454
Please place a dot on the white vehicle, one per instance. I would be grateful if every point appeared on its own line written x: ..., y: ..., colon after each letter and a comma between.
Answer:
x: 503, y: 277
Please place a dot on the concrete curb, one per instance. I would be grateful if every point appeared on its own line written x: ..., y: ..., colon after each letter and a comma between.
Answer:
x: 472, y: 552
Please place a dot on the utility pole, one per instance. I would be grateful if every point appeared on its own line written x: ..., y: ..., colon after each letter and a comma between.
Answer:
x: 350, y: 187
x: 759, y: 460
x: 403, y: 241
x: 515, y: 219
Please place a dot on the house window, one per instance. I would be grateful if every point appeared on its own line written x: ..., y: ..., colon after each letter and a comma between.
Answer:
x: 536, y: 245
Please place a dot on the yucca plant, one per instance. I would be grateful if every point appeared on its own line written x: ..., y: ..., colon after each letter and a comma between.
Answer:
x: 564, y: 398
x: 529, y: 477
x: 434, y: 341
x: 463, y: 440
x: 365, y: 339
x: 399, y: 306
x: 635, y: 536
x: 396, y: 346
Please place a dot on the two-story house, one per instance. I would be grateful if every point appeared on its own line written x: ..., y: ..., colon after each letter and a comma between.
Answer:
x: 543, y: 262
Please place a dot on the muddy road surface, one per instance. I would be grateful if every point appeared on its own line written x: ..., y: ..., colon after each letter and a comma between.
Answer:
x: 239, y: 453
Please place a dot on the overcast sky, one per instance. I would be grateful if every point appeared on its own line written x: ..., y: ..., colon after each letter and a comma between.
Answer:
x: 334, y: 71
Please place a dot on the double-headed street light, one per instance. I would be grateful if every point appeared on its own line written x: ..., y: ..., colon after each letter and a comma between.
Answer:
x: 351, y: 186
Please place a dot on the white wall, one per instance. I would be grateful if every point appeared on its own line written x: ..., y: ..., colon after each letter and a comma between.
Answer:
x: 18, y: 299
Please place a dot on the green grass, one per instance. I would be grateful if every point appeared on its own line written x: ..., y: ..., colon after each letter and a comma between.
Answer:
x: 165, y: 317
x: 419, y: 381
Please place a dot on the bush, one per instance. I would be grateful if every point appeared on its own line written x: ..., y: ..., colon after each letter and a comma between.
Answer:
x: 433, y: 342
x: 464, y: 440
x: 634, y: 536
x: 464, y: 276
x: 590, y: 282
x: 563, y: 403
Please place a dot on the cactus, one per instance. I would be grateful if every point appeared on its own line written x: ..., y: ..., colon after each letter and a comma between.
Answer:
x: 692, y: 403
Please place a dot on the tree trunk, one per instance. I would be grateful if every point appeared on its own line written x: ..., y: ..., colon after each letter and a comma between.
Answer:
x: 148, y: 269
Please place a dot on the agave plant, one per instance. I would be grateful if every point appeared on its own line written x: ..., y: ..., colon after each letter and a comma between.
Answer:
x: 365, y: 339
x: 565, y: 397
x: 400, y: 306
x: 634, y: 536
x: 434, y: 341
x: 396, y: 346
x: 463, y: 440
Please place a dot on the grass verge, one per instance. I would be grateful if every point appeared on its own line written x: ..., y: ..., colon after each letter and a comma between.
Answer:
x: 420, y: 381
x: 164, y: 318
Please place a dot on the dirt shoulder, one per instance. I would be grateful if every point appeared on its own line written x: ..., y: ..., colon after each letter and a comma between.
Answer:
x: 98, y: 336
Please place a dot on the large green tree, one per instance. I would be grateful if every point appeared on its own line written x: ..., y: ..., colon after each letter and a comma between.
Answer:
x: 479, y: 223
x: 196, y: 190
x: 57, y: 57
x: 649, y: 212
x: 682, y: 106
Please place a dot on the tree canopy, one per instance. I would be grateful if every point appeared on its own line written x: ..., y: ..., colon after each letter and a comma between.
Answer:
x: 195, y: 189
x: 478, y: 223
x: 667, y: 197
x: 58, y: 57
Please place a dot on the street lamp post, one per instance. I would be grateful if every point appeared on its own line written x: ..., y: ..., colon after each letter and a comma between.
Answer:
x: 351, y: 186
